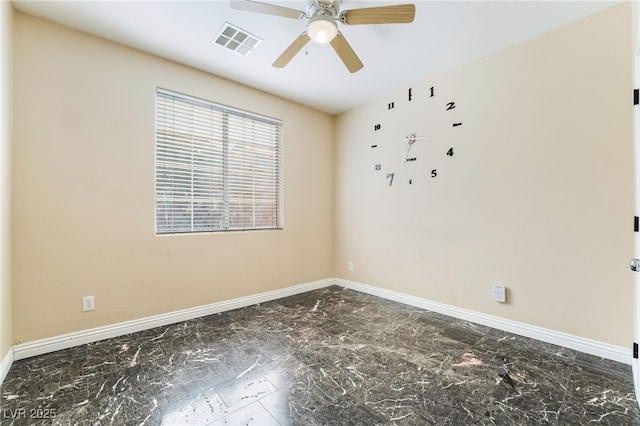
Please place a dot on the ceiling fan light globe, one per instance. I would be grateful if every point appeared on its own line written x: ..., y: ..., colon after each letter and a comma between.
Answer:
x: 322, y: 29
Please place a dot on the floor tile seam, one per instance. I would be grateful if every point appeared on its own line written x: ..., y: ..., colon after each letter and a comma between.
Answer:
x: 257, y: 399
x: 467, y: 344
x: 563, y: 405
x: 240, y: 409
x: 215, y: 419
x: 267, y: 408
x: 532, y: 350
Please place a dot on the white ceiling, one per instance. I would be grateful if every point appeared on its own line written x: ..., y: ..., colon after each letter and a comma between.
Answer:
x: 445, y: 34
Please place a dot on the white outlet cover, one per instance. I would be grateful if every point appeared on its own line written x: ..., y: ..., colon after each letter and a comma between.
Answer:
x: 88, y: 303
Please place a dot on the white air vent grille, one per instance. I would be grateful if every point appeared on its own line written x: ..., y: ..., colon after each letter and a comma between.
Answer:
x: 236, y: 39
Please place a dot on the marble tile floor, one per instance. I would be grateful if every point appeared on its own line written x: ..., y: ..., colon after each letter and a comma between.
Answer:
x: 327, y: 357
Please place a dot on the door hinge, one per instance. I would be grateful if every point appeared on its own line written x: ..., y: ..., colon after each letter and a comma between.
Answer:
x: 636, y: 96
x: 635, y: 350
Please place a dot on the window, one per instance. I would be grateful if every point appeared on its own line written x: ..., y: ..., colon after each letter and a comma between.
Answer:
x: 217, y: 168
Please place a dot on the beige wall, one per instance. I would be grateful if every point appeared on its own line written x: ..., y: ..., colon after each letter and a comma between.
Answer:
x: 538, y: 195
x: 83, y: 212
x: 6, y: 71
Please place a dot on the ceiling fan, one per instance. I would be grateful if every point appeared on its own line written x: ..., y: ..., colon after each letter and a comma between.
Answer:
x: 323, y: 28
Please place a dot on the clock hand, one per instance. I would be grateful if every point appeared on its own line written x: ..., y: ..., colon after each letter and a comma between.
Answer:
x: 410, y: 139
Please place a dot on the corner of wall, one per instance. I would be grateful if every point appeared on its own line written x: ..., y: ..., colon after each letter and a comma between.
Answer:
x: 6, y: 137
x: 334, y: 152
x: 513, y: 205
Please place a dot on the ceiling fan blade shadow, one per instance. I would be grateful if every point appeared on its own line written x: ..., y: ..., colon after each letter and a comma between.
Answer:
x: 291, y: 51
x: 395, y: 14
x: 346, y: 53
x: 269, y: 9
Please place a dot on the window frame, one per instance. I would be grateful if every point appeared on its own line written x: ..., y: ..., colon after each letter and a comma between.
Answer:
x: 263, y: 154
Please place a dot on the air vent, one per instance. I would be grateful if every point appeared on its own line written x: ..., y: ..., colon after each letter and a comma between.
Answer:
x: 236, y: 39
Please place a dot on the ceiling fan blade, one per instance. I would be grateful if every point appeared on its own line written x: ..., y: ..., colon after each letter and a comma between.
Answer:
x: 395, y: 14
x: 269, y: 9
x: 291, y: 51
x: 346, y: 53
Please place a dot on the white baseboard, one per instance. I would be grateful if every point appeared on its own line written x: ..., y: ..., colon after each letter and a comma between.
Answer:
x: 5, y: 365
x: 42, y: 346
x: 39, y: 347
x: 593, y: 347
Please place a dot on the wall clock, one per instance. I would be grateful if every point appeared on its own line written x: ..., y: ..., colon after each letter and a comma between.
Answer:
x: 415, y: 138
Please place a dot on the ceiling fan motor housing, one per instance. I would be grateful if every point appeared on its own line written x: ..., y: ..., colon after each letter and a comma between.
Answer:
x: 328, y: 8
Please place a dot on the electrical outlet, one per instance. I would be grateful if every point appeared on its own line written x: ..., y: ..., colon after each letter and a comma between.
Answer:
x: 350, y: 266
x: 88, y: 303
x: 499, y: 293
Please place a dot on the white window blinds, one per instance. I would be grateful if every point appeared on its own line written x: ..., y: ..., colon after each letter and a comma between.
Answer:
x: 217, y: 168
